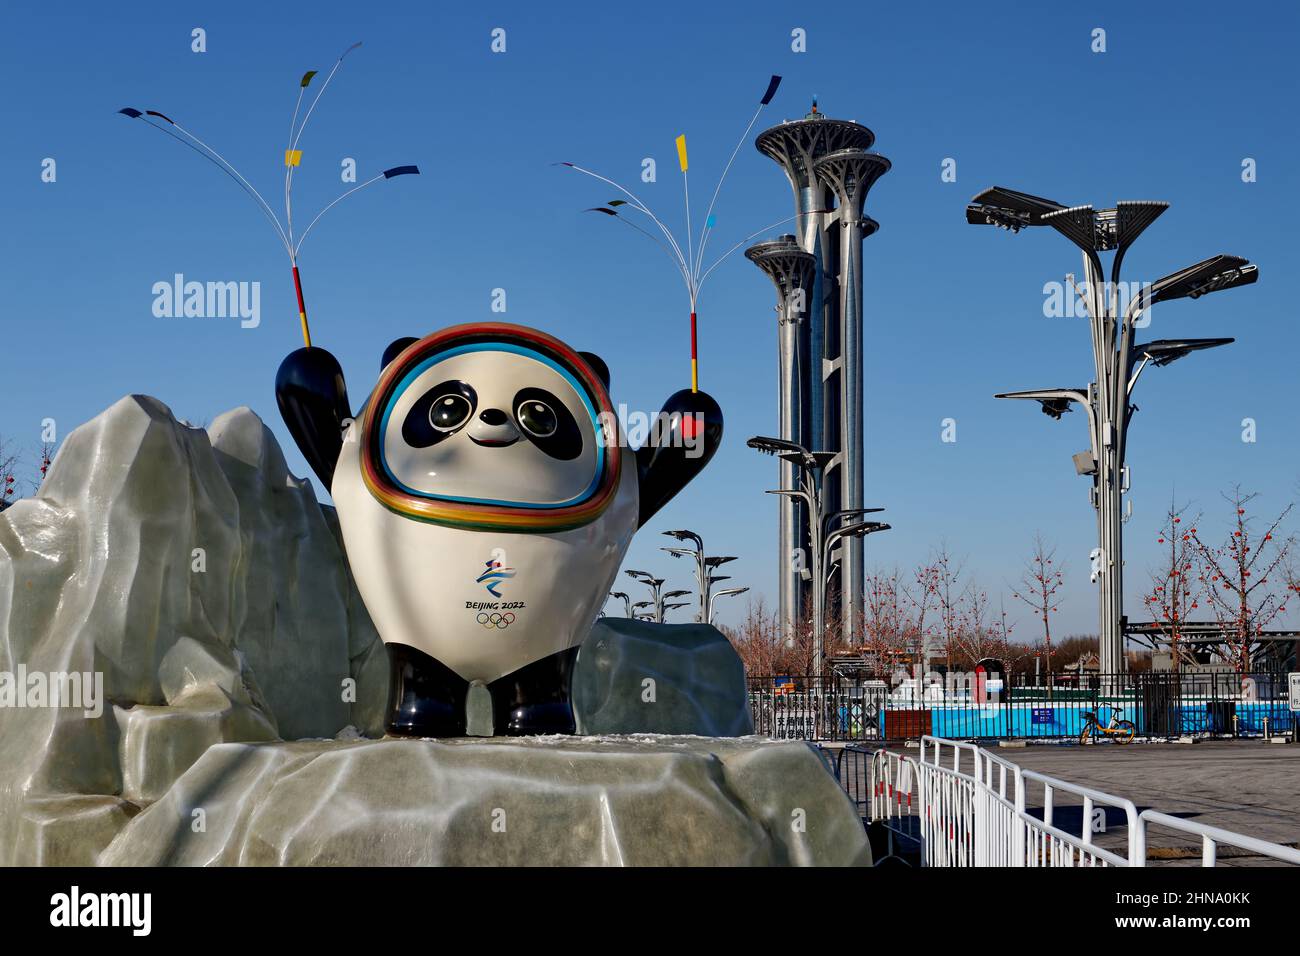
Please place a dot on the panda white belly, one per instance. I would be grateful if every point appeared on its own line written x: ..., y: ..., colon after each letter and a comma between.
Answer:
x: 421, y: 581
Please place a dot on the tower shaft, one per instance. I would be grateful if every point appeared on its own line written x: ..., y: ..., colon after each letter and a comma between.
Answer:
x: 826, y: 162
x: 792, y: 272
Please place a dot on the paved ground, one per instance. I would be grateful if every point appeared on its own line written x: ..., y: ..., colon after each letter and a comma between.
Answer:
x: 1246, y: 786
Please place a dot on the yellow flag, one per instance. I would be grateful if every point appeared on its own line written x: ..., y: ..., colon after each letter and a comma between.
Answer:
x: 681, y: 151
x: 292, y: 157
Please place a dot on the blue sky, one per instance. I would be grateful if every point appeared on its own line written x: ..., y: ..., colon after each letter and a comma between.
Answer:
x: 1012, y: 92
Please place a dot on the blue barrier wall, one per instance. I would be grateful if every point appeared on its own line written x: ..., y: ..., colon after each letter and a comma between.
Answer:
x: 1042, y: 719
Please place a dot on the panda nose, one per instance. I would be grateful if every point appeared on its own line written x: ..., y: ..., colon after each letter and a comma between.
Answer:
x: 494, y: 429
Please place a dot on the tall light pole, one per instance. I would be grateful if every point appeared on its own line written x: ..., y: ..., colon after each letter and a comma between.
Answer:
x: 672, y: 607
x: 713, y: 562
x: 724, y: 592
x: 811, y: 466
x: 1114, y: 353
x: 696, y: 559
x: 808, y: 476
x: 669, y: 607
x: 626, y: 599
x: 704, y: 565
x: 852, y: 532
x: 829, y: 523
x: 656, y: 591
x: 700, y: 574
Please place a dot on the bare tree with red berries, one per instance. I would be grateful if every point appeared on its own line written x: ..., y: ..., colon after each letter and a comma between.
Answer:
x: 766, y: 649
x: 47, y: 459
x: 1042, y: 578
x: 9, y: 461
x: 887, y: 625
x: 1244, y: 578
x: 972, y: 638
x: 1002, y: 625
x: 948, y: 597
x: 1175, y: 584
x: 921, y: 596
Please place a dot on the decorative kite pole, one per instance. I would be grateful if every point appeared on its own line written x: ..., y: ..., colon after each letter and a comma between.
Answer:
x: 690, y: 263
x: 292, y: 159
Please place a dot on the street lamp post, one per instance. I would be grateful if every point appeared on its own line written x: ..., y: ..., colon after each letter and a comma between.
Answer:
x: 810, y: 466
x: 671, y: 607
x: 656, y: 592
x: 1107, y: 399
x: 703, y: 566
x: 711, y: 564
x: 724, y: 592
x: 626, y: 599
x: 700, y: 574
x: 850, y: 532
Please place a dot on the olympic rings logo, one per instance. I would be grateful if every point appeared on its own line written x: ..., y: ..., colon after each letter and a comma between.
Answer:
x: 501, y: 621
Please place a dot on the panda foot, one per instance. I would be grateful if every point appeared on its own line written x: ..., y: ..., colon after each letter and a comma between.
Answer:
x: 535, y: 699
x: 425, y: 698
x: 538, y: 719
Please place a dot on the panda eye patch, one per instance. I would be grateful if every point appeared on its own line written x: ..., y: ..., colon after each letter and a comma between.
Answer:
x: 547, y: 423
x: 439, y: 413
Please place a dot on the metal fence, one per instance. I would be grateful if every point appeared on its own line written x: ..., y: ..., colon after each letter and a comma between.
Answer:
x: 827, y: 708
x: 1161, y: 704
x: 959, y: 805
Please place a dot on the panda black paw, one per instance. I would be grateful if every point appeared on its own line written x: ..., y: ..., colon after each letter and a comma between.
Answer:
x: 425, y: 698
x: 535, y: 699
x: 535, y: 719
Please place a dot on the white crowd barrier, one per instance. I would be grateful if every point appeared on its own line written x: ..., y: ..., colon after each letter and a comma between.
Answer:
x: 1211, y: 837
x: 969, y: 807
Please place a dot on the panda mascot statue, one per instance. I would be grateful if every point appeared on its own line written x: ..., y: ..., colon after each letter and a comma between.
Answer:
x: 486, y: 498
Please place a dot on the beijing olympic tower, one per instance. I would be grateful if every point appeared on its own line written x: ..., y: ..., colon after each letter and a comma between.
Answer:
x: 818, y: 278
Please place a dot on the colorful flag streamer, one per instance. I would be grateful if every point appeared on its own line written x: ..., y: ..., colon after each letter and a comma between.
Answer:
x: 292, y: 160
x: 689, y: 262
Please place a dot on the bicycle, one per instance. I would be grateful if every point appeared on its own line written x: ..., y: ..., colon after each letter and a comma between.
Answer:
x: 1121, y: 730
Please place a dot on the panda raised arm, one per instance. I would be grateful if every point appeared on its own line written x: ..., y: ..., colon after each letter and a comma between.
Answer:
x: 685, y: 438
x: 313, y: 400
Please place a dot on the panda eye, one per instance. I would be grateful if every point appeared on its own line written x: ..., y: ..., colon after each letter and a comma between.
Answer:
x: 537, y: 418
x: 449, y: 412
x: 547, y: 423
x: 439, y: 413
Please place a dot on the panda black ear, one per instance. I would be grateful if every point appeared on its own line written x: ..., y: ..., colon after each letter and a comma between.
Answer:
x: 395, y: 348
x: 597, y: 365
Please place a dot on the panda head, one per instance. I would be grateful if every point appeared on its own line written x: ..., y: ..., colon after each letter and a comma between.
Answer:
x: 491, y: 426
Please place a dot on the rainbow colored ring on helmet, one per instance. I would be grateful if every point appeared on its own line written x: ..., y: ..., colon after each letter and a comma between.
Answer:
x: 464, y: 510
